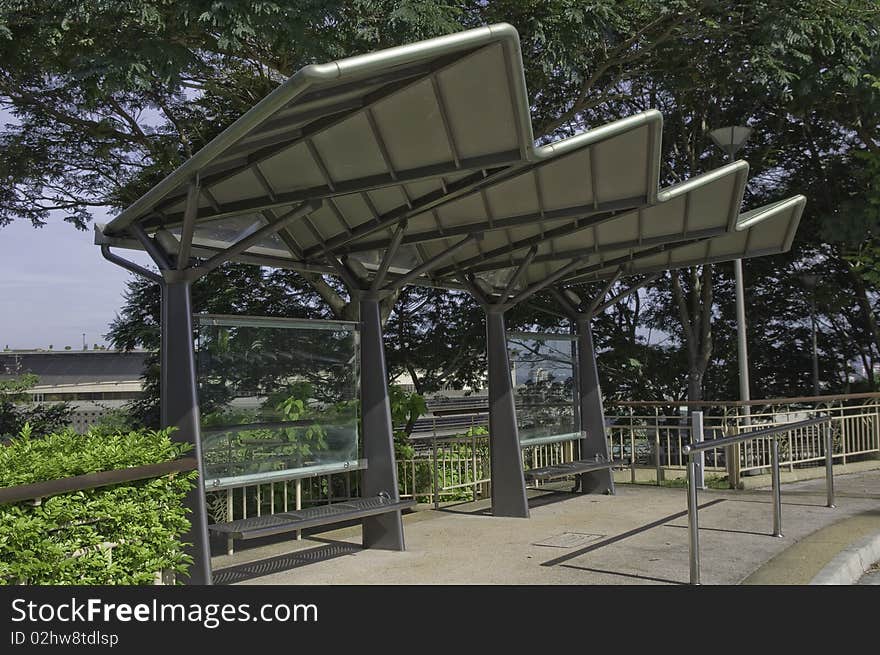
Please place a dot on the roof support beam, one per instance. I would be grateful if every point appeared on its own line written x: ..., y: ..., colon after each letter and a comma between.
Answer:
x: 255, y: 237
x: 562, y: 231
x: 470, y: 283
x: 601, y: 295
x: 351, y: 186
x: 444, y: 117
x: 390, y: 253
x: 517, y: 275
x: 578, y: 211
x: 354, y: 286
x: 624, y: 260
x: 570, y: 310
x: 625, y: 294
x: 190, y: 215
x: 546, y: 282
x: 431, y: 263
x: 154, y: 249
x: 421, y: 204
x: 676, y: 239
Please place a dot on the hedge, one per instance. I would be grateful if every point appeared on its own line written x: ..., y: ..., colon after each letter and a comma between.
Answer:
x: 118, y: 534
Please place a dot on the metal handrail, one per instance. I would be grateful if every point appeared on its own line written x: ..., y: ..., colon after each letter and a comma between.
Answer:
x: 696, y: 448
x: 742, y: 403
x: 46, y: 488
x: 754, y: 434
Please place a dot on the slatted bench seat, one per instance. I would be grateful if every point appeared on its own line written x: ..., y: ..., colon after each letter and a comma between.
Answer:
x: 567, y: 469
x: 271, y: 524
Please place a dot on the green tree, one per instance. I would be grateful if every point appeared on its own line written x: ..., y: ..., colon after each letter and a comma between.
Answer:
x: 96, y: 125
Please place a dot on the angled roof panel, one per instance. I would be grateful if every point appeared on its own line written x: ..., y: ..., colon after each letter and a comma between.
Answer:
x: 431, y: 143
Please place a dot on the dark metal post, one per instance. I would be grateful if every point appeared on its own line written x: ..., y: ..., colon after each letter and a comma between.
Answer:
x: 592, y: 414
x: 180, y: 409
x: 505, y: 454
x: 384, y: 531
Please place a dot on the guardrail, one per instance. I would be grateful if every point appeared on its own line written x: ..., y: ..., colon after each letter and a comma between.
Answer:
x: 697, y: 447
x: 38, y: 490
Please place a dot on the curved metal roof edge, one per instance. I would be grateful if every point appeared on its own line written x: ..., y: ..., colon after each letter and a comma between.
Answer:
x: 651, y: 117
x: 758, y: 214
x: 315, y: 74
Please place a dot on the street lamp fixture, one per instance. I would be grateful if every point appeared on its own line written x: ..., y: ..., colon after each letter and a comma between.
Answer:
x: 731, y: 139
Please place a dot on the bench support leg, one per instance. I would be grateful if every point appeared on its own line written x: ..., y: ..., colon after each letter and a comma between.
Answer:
x: 180, y: 409
x: 384, y: 531
x: 592, y: 414
x: 508, y: 482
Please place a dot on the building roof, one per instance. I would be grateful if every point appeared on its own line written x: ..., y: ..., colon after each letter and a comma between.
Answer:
x: 72, y: 367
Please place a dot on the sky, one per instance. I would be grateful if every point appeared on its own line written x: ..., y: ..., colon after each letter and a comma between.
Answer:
x: 55, y: 286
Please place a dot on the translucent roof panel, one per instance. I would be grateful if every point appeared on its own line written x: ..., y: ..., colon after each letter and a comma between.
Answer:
x: 350, y: 126
x: 706, y: 205
x: 768, y: 230
x: 596, y: 173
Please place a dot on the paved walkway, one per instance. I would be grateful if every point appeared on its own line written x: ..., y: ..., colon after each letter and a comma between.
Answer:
x: 638, y: 536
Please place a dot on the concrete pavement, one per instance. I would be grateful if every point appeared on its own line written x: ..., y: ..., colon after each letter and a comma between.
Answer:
x: 638, y: 536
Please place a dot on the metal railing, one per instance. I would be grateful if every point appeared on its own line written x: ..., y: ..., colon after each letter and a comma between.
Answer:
x: 457, y: 468
x: 697, y: 447
x: 446, y: 467
x: 655, y: 432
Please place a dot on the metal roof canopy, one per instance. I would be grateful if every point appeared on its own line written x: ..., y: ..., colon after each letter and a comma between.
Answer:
x: 425, y: 153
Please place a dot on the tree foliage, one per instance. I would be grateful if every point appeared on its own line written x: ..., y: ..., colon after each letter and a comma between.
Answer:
x: 95, y: 124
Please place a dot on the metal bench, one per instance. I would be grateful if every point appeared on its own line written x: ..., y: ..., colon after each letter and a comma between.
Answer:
x: 576, y: 468
x: 271, y: 524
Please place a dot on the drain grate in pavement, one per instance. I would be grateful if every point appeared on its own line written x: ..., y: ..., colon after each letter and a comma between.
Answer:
x: 569, y: 540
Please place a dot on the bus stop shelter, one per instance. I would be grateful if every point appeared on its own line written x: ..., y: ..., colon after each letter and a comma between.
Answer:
x: 417, y: 165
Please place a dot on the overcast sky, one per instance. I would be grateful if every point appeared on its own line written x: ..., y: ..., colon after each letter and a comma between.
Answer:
x: 55, y: 286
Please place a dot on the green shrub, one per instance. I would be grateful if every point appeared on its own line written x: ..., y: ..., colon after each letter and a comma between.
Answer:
x: 118, y: 534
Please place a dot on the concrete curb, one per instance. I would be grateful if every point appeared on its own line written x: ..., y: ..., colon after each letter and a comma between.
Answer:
x: 851, y: 563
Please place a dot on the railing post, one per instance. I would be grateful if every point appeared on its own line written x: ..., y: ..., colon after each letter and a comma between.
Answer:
x: 697, y: 438
x: 632, y: 453
x: 777, y: 491
x: 829, y: 464
x: 693, y: 521
x: 474, y: 463
x: 657, y: 445
x: 299, y: 489
x: 436, y: 493
x: 230, y: 546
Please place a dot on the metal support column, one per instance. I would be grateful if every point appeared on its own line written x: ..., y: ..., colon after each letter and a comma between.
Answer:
x: 180, y: 409
x: 742, y: 349
x: 592, y: 414
x: 505, y: 454
x: 384, y: 531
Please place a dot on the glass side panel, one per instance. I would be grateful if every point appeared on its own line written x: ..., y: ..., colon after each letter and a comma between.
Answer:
x: 543, y: 372
x: 276, y: 395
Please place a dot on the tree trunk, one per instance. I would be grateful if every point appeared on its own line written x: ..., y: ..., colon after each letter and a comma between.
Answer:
x: 695, y: 315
